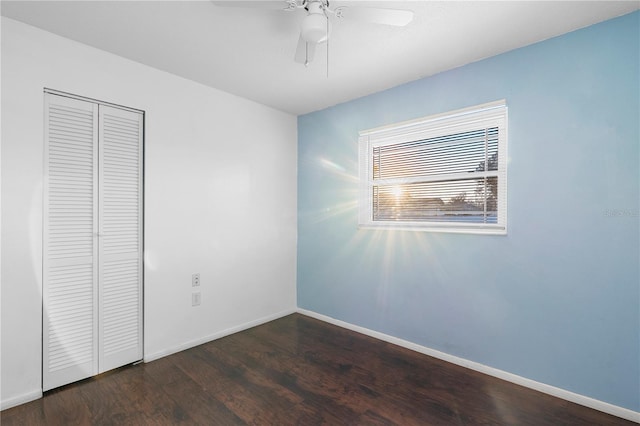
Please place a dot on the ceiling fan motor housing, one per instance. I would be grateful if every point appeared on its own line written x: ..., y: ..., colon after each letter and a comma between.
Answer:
x: 314, y: 26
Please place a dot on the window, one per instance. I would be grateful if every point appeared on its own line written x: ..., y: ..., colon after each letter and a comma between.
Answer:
x: 440, y: 173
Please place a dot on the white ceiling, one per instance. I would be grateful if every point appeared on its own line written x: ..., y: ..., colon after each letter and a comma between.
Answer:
x: 250, y: 52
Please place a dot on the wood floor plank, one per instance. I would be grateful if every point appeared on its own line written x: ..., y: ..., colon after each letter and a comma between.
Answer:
x: 299, y: 371
x: 202, y: 406
x: 291, y: 374
x: 344, y: 384
x: 247, y: 392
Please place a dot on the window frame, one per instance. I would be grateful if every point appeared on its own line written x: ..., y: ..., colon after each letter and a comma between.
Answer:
x: 492, y: 114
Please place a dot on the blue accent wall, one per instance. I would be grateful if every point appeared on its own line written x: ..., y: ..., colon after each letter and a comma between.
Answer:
x: 557, y: 299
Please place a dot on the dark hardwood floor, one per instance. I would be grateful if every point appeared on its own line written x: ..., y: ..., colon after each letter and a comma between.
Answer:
x: 299, y: 371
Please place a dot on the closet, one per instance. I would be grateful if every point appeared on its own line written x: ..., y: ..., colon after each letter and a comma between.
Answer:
x: 92, y: 238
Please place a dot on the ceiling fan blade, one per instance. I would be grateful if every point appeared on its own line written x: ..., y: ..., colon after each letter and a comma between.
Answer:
x: 304, y: 51
x: 257, y: 4
x: 395, y: 17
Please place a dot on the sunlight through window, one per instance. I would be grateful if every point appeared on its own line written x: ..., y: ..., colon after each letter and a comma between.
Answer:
x: 439, y: 173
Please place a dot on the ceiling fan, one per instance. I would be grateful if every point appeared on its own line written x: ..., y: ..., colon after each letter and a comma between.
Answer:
x: 315, y: 27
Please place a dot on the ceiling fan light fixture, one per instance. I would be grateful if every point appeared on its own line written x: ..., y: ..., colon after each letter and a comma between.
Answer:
x: 314, y: 28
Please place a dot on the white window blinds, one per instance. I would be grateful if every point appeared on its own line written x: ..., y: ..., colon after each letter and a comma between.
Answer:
x: 443, y: 173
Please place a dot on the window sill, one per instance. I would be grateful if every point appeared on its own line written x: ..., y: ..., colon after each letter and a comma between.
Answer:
x: 431, y: 227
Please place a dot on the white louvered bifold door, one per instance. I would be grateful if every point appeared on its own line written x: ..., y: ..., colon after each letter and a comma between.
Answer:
x: 70, y: 241
x: 92, y: 241
x: 120, y: 256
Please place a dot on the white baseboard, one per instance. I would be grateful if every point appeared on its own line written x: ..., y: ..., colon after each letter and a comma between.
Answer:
x: 605, y: 407
x: 218, y: 335
x: 20, y: 399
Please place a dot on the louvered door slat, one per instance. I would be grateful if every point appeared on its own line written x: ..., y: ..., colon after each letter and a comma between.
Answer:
x: 69, y: 246
x: 121, y: 241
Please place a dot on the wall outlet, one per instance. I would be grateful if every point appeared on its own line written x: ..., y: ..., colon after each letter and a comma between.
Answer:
x: 195, y: 299
x: 195, y: 280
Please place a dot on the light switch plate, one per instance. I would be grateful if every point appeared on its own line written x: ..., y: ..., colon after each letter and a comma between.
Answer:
x: 195, y: 299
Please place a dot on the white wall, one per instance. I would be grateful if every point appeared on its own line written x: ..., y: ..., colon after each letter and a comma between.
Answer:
x: 220, y: 199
